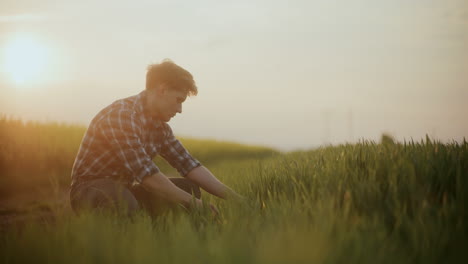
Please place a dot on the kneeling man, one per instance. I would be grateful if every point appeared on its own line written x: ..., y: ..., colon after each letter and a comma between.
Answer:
x: 114, y: 167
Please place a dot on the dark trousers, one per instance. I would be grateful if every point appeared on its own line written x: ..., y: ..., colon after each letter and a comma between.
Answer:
x: 112, y: 195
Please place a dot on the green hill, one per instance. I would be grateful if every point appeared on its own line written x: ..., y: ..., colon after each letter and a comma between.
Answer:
x: 32, y: 154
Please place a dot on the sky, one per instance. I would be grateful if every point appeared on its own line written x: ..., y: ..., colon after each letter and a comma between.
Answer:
x: 286, y: 74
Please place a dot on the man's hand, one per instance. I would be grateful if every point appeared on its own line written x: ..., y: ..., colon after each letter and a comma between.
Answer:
x: 160, y: 185
x: 208, y: 182
x: 163, y: 187
x: 214, y: 210
x: 199, y: 205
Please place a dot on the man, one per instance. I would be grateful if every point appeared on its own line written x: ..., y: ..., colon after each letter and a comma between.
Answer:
x: 114, y: 167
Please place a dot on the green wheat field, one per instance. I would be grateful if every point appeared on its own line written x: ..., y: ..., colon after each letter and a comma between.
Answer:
x: 371, y: 202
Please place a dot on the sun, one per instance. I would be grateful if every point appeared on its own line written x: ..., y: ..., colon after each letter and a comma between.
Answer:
x: 26, y: 59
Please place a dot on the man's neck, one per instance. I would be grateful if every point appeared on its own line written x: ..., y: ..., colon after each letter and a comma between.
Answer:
x: 150, y: 105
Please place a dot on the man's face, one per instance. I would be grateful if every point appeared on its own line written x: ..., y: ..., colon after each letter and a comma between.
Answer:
x: 165, y: 102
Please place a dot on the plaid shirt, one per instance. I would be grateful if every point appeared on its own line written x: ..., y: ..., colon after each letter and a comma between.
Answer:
x: 122, y: 141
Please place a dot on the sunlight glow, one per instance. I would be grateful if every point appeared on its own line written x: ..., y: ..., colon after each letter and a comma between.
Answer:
x: 26, y: 59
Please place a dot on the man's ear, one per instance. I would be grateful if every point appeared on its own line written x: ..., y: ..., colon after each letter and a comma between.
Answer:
x: 159, y: 89
x: 162, y: 89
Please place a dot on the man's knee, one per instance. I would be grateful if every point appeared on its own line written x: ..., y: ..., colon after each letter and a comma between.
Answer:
x: 104, y: 194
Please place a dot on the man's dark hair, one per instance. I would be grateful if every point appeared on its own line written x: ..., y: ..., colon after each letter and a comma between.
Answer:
x: 171, y: 74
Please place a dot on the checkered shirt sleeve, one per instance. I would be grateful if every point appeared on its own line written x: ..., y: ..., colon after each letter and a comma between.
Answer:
x: 174, y: 152
x: 122, y: 130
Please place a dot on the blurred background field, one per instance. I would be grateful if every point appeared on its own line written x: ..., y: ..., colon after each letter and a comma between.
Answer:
x: 37, y: 156
x: 371, y: 202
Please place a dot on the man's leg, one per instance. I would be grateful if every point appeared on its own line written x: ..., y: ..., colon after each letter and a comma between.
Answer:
x: 156, y: 205
x: 104, y: 194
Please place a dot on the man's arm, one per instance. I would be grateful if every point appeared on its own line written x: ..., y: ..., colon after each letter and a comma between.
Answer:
x: 208, y: 182
x: 175, y: 153
x: 159, y: 184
